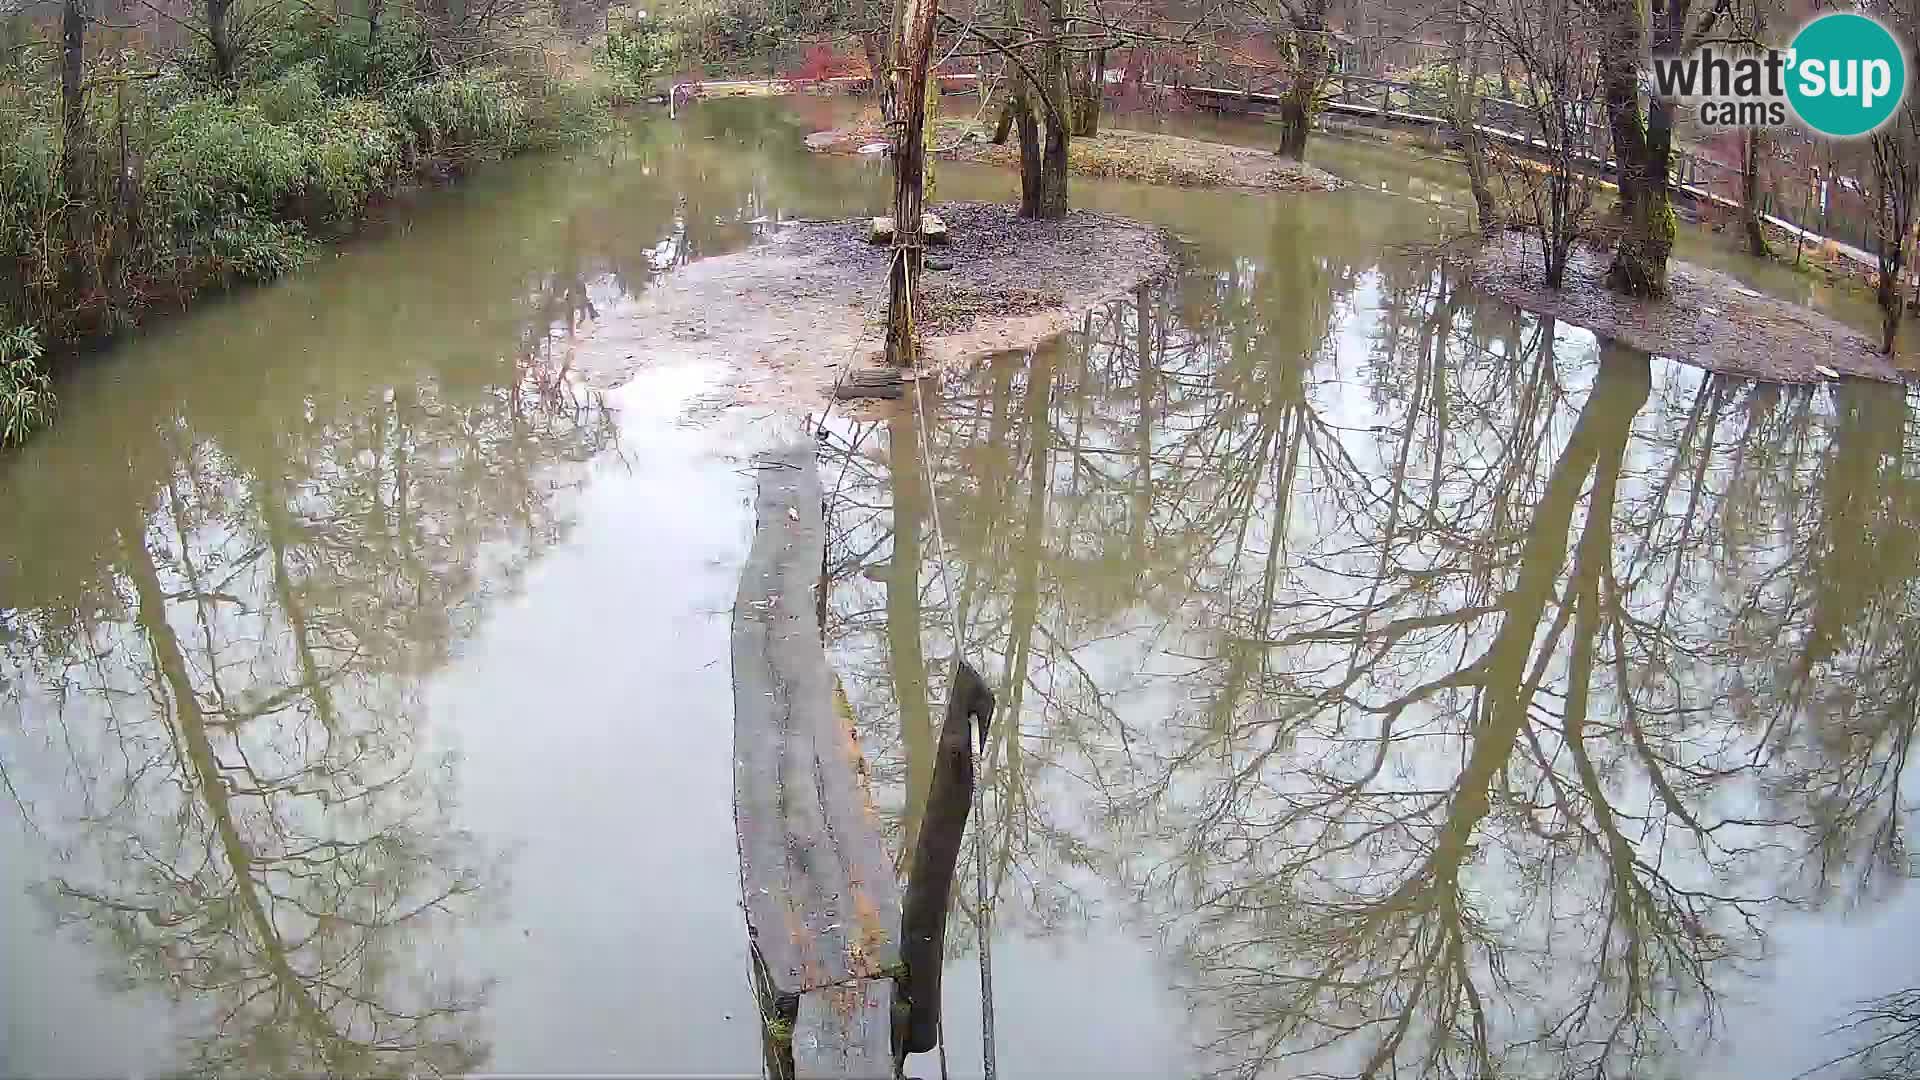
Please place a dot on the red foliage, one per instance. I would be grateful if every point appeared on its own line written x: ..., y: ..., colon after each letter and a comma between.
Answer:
x: 1148, y: 73
x: 823, y: 61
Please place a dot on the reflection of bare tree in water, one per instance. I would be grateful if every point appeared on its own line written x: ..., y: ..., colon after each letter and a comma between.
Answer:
x: 1495, y: 818
x: 1884, y: 1040
x: 261, y: 828
x: 1454, y: 740
x: 1057, y: 475
x: 1336, y: 904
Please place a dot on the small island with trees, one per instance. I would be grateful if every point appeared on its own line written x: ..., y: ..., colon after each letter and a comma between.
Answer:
x: 154, y: 153
x: 1578, y: 176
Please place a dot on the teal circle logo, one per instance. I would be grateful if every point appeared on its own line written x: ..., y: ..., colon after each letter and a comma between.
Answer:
x: 1847, y: 74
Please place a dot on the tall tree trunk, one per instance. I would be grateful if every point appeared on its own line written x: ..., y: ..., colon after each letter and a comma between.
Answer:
x: 1088, y: 86
x: 1464, y: 119
x: 1053, y: 156
x: 909, y: 167
x: 1311, y: 59
x: 1028, y: 125
x: 929, y: 182
x: 1643, y: 148
x: 875, y: 48
x: 1027, y: 99
x: 74, y: 165
x: 220, y: 39
x: 1003, y: 126
x: 1752, y: 147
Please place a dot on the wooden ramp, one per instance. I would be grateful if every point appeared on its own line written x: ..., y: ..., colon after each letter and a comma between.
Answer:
x: 823, y: 909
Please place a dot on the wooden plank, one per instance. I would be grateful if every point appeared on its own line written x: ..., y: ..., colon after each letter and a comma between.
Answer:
x: 845, y: 1032
x: 822, y: 904
x: 870, y: 383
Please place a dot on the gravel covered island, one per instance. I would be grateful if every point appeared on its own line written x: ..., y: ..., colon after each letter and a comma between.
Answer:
x: 788, y: 314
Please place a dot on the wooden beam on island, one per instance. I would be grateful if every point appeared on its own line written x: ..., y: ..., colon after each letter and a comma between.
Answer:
x: 822, y: 905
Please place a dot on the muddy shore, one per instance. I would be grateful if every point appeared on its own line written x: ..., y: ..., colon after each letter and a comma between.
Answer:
x: 789, y: 314
x: 1709, y: 320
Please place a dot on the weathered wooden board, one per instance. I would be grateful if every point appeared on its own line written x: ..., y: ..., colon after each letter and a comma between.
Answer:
x: 870, y: 383
x: 844, y: 1033
x: 822, y: 905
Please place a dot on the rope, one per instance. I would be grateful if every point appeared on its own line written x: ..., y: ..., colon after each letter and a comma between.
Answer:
x: 939, y: 537
x: 820, y: 429
x: 986, y: 936
x: 979, y: 806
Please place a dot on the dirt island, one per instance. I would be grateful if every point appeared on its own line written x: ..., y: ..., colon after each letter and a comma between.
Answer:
x: 1707, y: 319
x: 789, y: 314
x: 1114, y: 154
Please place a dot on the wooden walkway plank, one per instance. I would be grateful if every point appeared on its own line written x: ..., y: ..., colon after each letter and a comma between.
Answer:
x: 823, y: 908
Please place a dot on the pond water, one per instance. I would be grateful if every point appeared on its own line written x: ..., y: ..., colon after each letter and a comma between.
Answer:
x: 1391, y: 683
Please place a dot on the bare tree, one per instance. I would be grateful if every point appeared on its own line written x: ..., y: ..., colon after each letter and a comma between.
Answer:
x: 1896, y: 172
x: 1887, y: 1035
x: 1558, y: 53
x: 1463, y: 116
x: 1754, y: 148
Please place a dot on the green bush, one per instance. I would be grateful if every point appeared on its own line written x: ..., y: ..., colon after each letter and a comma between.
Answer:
x: 252, y: 247
x: 564, y: 112
x: 295, y: 94
x: 26, y: 394
x: 470, y: 116
x: 29, y: 183
x: 344, y: 62
x: 216, y: 159
x: 354, y: 147
x: 225, y: 184
x: 636, y: 54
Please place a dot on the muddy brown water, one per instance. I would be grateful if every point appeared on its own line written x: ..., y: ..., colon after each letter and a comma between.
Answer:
x: 1391, y: 683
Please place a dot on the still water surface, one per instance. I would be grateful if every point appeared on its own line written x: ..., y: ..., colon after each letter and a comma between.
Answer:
x: 1392, y: 683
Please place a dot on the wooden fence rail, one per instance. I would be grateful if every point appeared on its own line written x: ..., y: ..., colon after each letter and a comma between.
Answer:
x: 1512, y: 124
